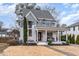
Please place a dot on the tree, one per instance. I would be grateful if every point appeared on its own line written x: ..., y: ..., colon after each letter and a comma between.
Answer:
x: 63, y: 38
x: 1, y: 24
x: 38, y: 8
x: 63, y: 25
x: 25, y: 30
x: 15, y: 33
x: 30, y: 5
x: 54, y: 13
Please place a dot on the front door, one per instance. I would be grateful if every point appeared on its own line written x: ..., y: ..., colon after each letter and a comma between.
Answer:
x: 39, y: 36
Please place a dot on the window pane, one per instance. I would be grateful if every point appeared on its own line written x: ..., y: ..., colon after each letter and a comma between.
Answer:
x: 30, y: 24
x: 74, y: 28
x: 30, y: 32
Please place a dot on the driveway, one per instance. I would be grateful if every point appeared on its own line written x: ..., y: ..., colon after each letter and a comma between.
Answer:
x: 72, y: 50
x: 31, y: 51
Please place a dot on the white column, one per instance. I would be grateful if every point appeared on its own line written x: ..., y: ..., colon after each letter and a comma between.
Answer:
x: 66, y: 36
x: 45, y: 35
x: 58, y: 36
x: 37, y: 36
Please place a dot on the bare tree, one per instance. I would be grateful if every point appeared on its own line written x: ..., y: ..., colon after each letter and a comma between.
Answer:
x: 38, y: 8
x: 54, y: 13
x: 1, y: 24
x: 63, y: 25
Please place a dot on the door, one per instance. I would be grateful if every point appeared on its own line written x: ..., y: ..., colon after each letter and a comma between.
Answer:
x: 39, y: 36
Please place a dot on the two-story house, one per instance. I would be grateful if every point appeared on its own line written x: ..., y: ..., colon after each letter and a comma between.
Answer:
x: 73, y: 29
x: 41, y: 25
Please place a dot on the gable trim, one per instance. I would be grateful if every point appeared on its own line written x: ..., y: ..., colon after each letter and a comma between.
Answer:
x: 32, y: 15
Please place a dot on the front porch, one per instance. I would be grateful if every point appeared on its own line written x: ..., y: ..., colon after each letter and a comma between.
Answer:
x: 43, y: 35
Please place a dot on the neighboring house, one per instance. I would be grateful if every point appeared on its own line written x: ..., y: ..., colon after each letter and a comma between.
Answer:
x: 3, y: 32
x: 73, y: 29
x: 41, y: 26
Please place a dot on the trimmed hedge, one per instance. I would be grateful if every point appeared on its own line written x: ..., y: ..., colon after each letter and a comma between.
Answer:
x: 49, y: 42
x: 68, y: 41
x: 71, y: 39
x: 77, y: 40
x: 63, y: 38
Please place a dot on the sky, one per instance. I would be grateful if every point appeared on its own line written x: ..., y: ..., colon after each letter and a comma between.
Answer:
x: 67, y: 13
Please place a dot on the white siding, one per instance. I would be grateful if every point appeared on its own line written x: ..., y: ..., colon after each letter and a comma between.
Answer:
x: 76, y: 32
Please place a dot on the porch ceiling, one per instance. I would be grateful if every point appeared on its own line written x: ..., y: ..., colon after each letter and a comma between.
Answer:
x: 52, y: 28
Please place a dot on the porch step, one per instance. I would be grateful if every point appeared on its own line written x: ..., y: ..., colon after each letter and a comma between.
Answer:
x: 56, y: 42
x: 42, y: 43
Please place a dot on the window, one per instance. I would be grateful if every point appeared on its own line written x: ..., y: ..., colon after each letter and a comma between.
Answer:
x: 49, y: 35
x: 30, y: 32
x: 73, y: 28
x: 53, y: 24
x: 30, y: 24
x: 69, y: 29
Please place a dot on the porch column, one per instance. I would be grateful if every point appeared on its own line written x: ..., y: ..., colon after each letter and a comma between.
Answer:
x: 37, y: 36
x: 58, y: 36
x: 46, y: 35
x: 66, y: 36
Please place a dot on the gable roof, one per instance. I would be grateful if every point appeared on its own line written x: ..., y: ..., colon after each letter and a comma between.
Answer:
x: 75, y: 24
x: 43, y: 14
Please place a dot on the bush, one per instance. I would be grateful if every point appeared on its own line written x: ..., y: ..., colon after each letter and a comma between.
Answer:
x: 63, y: 38
x: 12, y: 42
x: 49, y: 42
x: 68, y: 41
x: 77, y: 40
x: 71, y: 39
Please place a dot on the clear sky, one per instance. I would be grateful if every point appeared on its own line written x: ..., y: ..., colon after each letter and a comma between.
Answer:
x: 68, y: 13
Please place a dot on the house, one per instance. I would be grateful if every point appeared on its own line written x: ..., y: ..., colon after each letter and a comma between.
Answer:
x: 41, y: 26
x: 73, y: 29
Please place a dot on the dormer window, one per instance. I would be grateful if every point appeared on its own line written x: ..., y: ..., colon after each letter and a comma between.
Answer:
x: 30, y: 24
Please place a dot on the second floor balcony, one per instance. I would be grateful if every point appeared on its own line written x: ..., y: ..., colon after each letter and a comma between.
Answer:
x: 44, y: 24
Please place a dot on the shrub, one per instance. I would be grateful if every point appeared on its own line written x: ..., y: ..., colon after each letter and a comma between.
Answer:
x: 25, y: 30
x: 49, y: 42
x: 68, y: 41
x: 63, y: 38
x: 77, y: 40
x: 71, y: 39
x: 12, y: 42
